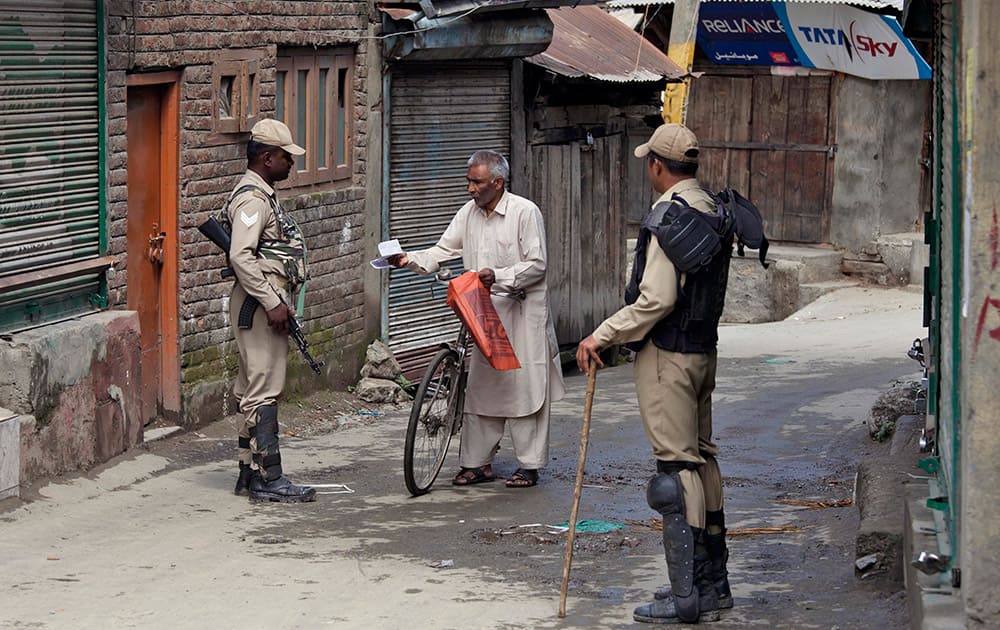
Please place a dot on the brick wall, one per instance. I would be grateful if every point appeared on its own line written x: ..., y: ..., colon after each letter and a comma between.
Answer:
x: 186, y: 35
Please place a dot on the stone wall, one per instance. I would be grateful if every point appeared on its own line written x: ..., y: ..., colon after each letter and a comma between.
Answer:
x: 876, y: 190
x: 75, y: 386
x: 187, y: 36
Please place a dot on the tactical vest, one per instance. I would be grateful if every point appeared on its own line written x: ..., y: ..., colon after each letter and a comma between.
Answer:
x: 290, y: 251
x: 699, y: 245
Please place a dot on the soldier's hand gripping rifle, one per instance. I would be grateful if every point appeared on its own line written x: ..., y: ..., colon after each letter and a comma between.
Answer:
x: 214, y: 231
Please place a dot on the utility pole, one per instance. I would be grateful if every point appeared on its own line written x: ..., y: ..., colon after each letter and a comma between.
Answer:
x: 683, y: 27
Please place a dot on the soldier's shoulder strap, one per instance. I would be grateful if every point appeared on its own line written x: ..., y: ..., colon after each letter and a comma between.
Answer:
x: 257, y: 191
x: 251, y: 188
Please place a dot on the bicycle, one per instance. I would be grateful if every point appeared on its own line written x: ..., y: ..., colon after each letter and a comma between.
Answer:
x: 436, y: 415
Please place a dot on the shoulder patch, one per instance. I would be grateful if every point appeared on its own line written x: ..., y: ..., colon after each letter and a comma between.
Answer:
x: 248, y: 220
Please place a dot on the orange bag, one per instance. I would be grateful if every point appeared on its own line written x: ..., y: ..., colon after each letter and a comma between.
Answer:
x: 471, y: 302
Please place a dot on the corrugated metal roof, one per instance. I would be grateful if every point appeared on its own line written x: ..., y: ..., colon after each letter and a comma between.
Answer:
x: 442, y: 8
x: 400, y: 13
x: 871, y: 4
x: 587, y: 42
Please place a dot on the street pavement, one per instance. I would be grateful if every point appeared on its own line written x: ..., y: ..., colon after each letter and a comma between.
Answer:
x: 155, y: 538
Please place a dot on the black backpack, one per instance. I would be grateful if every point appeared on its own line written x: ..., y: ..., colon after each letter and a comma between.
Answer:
x: 747, y: 224
x: 692, y: 239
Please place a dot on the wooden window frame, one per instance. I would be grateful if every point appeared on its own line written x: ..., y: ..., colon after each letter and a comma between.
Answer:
x: 244, y: 67
x: 310, y: 170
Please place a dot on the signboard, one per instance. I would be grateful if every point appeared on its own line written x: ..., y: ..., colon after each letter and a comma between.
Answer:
x: 826, y: 36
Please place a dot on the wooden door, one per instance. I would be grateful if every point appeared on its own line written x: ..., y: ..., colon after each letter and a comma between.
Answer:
x: 772, y: 138
x: 578, y: 187
x: 151, y: 262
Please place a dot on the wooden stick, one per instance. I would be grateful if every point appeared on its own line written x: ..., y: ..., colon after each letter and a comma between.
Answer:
x: 584, y: 439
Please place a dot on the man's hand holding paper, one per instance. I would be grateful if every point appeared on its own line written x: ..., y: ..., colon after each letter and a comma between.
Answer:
x: 390, y: 255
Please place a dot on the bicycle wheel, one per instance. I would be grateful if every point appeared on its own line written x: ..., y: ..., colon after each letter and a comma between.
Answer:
x: 436, y: 408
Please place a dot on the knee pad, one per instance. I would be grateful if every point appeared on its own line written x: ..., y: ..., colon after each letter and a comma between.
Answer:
x: 665, y: 494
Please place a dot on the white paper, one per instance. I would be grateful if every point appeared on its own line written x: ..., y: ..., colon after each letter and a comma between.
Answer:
x: 386, y: 249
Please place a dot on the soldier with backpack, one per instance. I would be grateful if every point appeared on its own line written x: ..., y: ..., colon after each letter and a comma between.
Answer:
x: 674, y: 302
x: 267, y: 255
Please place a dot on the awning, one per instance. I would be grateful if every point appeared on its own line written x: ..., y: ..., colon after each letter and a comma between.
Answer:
x: 411, y: 35
x: 871, y: 4
x: 589, y: 43
x: 442, y: 8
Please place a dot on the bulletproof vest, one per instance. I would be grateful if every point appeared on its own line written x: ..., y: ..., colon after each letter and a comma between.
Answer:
x: 699, y: 245
x: 289, y: 251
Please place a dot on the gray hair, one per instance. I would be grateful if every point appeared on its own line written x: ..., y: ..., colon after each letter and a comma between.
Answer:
x: 493, y: 161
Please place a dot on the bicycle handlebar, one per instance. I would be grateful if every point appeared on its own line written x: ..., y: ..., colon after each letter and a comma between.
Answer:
x: 445, y: 276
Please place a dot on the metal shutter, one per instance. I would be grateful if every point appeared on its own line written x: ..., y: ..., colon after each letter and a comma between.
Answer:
x: 440, y: 113
x: 945, y: 232
x: 49, y: 160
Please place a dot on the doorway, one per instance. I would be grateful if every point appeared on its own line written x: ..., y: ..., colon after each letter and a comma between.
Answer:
x: 151, y: 239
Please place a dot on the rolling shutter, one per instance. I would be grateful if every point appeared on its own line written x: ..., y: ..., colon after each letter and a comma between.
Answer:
x: 50, y: 264
x: 440, y: 114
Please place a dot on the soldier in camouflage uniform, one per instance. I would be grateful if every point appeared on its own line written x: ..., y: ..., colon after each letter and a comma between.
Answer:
x: 267, y: 256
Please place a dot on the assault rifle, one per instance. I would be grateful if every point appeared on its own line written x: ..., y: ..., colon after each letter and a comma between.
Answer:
x: 214, y: 231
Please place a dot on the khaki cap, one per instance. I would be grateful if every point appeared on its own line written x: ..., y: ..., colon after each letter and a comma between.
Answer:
x: 276, y: 134
x: 672, y: 141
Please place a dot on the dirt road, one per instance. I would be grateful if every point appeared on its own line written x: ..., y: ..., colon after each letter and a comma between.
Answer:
x: 156, y: 539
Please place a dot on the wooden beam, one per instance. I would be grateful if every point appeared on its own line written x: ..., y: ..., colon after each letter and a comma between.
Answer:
x: 770, y: 146
x: 42, y: 276
x: 683, y: 29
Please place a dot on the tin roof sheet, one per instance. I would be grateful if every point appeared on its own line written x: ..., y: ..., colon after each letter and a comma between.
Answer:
x: 442, y: 8
x: 587, y: 42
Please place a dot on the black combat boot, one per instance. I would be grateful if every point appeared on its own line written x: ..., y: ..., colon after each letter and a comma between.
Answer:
x: 243, y: 481
x: 279, y: 490
x: 718, y: 554
x: 269, y: 484
x: 665, y: 611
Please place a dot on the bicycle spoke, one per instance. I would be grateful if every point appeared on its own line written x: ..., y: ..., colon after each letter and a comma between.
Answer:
x: 431, y: 422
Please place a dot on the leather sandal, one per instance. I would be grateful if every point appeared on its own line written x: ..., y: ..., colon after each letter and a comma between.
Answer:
x: 472, y: 476
x: 523, y: 478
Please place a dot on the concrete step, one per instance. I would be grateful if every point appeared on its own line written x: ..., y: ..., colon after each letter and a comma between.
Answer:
x: 818, y: 263
x: 812, y: 291
x: 874, y: 271
x: 797, y: 275
x: 10, y: 454
x: 905, y: 254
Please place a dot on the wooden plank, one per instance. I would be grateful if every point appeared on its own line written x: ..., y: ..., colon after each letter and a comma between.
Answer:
x: 806, y: 174
x: 618, y: 151
x: 554, y: 209
x: 738, y: 175
x: 720, y: 113
x: 582, y: 300
x: 519, y: 167
x: 581, y: 177
x: 767, y: 146
x: 52, y: 274
x: 767, y: 180
x: 795, y: 201
x: 593, y: 162
x: 638, y: 193
x: 831, y: 137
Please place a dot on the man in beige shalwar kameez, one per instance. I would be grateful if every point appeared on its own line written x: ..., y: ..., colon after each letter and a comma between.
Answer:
x: 502, y: 236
